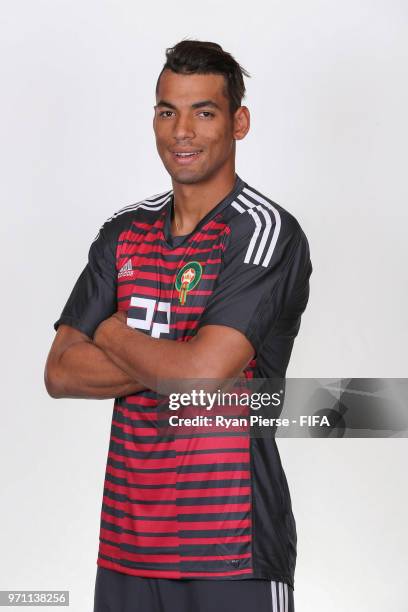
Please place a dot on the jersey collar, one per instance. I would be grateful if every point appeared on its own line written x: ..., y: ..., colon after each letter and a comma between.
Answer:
x: 168, y: 212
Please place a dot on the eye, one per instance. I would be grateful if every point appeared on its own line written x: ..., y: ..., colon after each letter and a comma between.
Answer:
x: 166, y: 114
x: 207, y: 114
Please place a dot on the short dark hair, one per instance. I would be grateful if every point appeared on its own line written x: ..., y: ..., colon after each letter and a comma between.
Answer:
x: 198, y: 57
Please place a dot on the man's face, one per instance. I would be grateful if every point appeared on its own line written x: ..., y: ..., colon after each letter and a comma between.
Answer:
x: 193, y: 126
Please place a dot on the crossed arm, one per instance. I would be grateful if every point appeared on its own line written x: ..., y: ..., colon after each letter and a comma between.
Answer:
x: 120, y: 361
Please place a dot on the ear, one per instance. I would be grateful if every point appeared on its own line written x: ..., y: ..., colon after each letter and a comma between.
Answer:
x: 154, y: 119
x: 242, y: 122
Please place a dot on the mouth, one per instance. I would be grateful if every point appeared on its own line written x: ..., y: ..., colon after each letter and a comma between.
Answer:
x: 186, y: 157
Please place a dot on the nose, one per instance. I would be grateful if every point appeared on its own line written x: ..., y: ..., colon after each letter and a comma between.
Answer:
x: 183, y: 127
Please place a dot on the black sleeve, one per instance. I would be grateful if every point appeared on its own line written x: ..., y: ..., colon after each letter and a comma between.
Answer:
x: 251, y: 297
x: 93, y: 298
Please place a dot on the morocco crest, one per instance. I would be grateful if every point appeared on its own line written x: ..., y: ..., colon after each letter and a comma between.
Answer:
x: 187, y: 278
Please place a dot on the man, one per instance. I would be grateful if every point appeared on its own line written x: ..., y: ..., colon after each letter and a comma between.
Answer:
x: 206, y: 281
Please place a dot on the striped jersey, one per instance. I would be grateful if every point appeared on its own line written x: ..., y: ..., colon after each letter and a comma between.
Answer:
x: 197, y: 506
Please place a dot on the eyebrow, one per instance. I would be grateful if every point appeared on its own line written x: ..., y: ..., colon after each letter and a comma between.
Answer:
x: 201, y: 104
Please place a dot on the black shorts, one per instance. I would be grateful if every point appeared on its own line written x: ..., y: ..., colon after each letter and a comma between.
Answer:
x: 117, y: 592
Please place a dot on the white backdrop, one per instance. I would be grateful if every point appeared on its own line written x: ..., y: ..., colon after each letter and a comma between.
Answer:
x: 328, y: 97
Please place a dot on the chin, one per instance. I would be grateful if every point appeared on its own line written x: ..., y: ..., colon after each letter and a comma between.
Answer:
x: 186, y: 180
x: 187, y: 177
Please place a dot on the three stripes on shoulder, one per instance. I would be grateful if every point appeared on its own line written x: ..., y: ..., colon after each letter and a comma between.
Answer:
x: 155, y: 202
x: 266, y: 218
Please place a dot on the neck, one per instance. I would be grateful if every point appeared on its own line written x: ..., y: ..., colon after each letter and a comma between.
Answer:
x: 193, y: 202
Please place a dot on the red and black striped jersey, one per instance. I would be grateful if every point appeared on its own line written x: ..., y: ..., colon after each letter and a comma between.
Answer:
x: 197, y: 506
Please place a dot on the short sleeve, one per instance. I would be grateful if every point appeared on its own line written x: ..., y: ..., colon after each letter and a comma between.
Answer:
x: 252, y: 297
x: 93, y: 298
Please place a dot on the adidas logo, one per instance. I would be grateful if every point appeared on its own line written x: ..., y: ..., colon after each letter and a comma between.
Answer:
x: 126, y: 269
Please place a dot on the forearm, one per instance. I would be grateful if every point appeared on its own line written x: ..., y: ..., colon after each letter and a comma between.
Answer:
x: 85, y: 371
x: 149, y: 360
x: 213, y: 356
